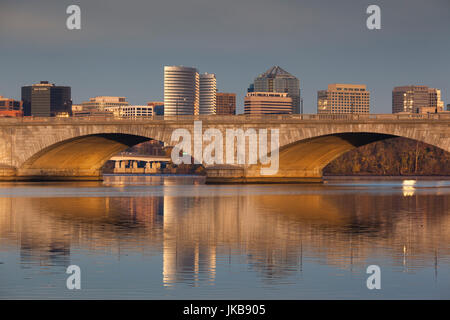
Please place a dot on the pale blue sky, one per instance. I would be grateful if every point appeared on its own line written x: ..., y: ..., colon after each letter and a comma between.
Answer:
x: 123, y: 45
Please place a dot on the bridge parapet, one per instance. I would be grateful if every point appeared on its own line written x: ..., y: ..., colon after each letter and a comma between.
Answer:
x: 241, y: 118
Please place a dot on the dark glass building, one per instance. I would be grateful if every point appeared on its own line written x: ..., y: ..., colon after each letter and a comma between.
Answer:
x: 46, y: 100
x: 276, y: 79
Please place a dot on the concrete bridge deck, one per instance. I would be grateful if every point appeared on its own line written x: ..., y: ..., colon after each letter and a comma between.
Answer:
x: 77, y: 148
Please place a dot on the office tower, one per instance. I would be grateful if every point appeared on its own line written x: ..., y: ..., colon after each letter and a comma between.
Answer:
x: 181, y: 90
x: 208, y: 90
x: 267, y: 103
x: 278, y: 80
x: 344, y: 98
x: 225, y: 103
x: 46, y: 100
x: 10, y: 107
x: 158, y: 107
x: 416, y: 99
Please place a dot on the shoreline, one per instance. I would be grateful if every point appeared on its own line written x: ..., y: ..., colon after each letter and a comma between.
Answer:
x: 374, y: 177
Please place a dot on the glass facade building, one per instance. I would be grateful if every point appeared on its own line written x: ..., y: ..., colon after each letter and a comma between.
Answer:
x: 416, y: 99
x: 276, y: 79
x: 46, y: 100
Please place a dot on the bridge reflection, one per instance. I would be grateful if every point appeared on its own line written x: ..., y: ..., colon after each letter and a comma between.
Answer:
x: 271, y: 233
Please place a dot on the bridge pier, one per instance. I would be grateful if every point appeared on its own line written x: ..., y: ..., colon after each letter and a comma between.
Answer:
x: 8, y: 173
x: 58, y: 175
x: 228, y: 174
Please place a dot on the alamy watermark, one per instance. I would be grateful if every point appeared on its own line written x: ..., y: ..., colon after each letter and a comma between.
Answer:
x: 374, y: 280
x: 208, y: 147
x: 74, y: 280
x: 73, y: 22
x: 374, y: 20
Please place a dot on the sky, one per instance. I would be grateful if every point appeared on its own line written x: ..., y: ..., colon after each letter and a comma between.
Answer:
x: 122, y: 46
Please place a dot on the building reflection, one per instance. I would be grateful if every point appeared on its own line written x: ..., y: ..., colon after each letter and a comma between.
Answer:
x: 189, y: 248
x: 272, y: 234
x: 408, y: 187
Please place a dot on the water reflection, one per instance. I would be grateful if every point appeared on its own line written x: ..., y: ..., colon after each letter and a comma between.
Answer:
x: 408, y: 187
x: 273, y: 234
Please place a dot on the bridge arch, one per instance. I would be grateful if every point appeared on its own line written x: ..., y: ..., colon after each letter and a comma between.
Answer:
x: 78, y: 158
x: 69, y: 151
x: 303, y: 160
x: 314, y: 154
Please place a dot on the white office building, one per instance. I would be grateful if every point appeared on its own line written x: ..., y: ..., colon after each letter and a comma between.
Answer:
x: 181, y: 90
x: 136, y: 111
x: 208, y: 90
x: 188, y: 93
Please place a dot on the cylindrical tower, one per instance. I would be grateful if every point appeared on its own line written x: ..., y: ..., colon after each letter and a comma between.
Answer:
x: 181, y: 90
x: 208, y: 89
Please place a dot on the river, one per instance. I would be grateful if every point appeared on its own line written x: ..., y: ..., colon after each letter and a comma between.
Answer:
x: 173, y: 237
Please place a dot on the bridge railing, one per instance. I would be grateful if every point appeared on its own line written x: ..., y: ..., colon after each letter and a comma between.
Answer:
x: 240, y: 118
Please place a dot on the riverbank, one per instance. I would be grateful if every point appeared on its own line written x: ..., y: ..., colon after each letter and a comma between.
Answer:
x: 380, y: 177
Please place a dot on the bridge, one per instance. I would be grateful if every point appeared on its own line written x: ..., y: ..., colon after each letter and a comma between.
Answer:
x: 77, y: 148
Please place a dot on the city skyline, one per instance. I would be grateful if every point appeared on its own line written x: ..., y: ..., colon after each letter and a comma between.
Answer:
x: 208, y: 91
x: 313, y: 37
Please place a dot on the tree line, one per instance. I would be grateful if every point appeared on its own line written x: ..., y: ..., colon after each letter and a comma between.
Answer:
x: 392, y: 157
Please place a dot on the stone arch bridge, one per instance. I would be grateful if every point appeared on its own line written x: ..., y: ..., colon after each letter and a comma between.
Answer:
x: 76, y: 149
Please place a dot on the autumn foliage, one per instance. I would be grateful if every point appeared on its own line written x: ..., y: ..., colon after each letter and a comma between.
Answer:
x: 396, y: 156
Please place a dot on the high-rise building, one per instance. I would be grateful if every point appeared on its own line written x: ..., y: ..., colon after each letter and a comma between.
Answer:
x: 344, y: 98
x: 158, y: 107
x: 225, y: 103
x: 208, y: 90
x: 416, y: 99
x: 46, y: 100
x: 10, y: 107
x: 279, y: 80
x: 181, y: 90
x: 267, y: 103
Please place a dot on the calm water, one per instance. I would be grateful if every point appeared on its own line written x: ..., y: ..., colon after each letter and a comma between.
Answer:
x: 175, y: 238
